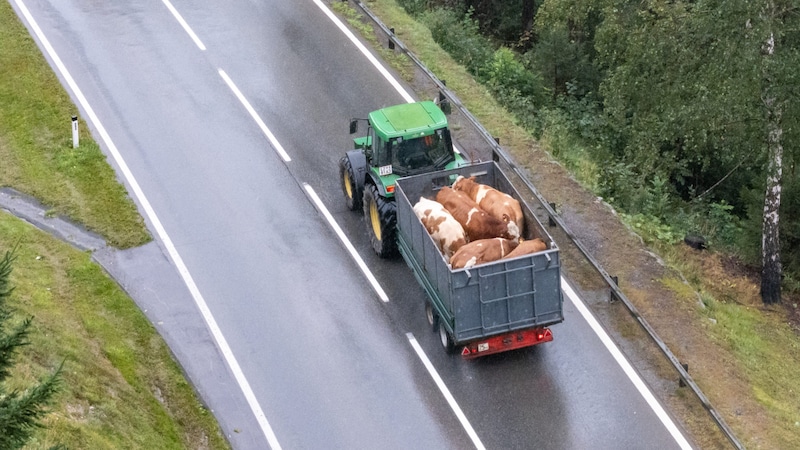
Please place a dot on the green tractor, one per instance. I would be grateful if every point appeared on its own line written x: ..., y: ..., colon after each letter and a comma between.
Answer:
x: 402, y: 140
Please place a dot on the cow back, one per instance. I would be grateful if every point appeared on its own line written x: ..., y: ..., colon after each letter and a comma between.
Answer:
x: 477, y: 223
x: 445, y: 230
x: 482, y: 251
x: 527, y: 247
x: 495, y: 202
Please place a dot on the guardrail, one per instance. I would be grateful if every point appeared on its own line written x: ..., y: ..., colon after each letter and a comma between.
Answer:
x: 499, y: 154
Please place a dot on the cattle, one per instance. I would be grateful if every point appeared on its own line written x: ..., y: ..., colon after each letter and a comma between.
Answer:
x: 528, y: 246
x: 495, y: 202
x: 481, y: 251
x: 445, y: 230
x: 477, y: 223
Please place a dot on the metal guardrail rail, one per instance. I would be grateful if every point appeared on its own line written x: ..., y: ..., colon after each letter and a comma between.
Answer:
x: 501, y: 155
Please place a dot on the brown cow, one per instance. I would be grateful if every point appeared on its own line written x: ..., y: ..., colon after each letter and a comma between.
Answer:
x: 481, y: 251
x: 443, y: 228
x: 495, y: 202
x: 528, y: 246
x: 477, y: 223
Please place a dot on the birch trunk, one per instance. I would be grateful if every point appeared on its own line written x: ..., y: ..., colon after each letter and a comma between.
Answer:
x: 770, y: 241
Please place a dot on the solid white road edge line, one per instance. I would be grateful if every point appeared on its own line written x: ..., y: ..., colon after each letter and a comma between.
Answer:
x: 353, y: 253
x: 365, y: 51
x: 176, y: 258
x: 625, y: 365
x: 277, y: 145
x: 185, y: 25
x: 445, y: 392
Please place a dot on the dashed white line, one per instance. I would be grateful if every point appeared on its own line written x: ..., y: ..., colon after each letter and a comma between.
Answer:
x: 277, y: 145
x: 185, y: 25
x: 353, y: 253
x: 626, y: 366
x: 216, y: 332
x: 445, y: 392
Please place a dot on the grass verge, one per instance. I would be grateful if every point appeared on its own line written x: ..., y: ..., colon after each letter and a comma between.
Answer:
x: 122, y: 388
x: 36, y: 144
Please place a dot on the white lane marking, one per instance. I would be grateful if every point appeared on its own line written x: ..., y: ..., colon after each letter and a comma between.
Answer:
x: 353, y: 253
x: 365, y: 51
x: 445, y: 392
x: 185, y: 25
x: 176, y: 258
x: 626, y: 366
x: 277, y: 145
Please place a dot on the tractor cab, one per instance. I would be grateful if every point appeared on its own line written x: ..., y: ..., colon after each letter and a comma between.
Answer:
x: 406, y: 139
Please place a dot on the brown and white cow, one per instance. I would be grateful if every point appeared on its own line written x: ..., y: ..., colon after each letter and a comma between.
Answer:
x: 477, y: 223
x: 443, y: 228
x: 495, y: 202
x: 481, y: 251
x: 528, y: 246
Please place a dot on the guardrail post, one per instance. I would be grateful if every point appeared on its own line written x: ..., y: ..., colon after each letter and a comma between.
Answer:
x: 550, y: 220
x: 391, y: 41
x: 613, y: 297
x: 681, y: 383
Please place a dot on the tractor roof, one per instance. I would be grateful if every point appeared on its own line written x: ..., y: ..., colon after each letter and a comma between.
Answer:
x: 408, y: 120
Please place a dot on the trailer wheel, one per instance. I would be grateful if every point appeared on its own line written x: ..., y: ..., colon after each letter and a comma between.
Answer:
x: 433, y: 318
x: 351, y: 197
x: 381, y: 221
x: 446, y: 339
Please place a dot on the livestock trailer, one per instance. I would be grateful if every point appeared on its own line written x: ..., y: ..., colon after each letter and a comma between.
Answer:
x: 488, y: 308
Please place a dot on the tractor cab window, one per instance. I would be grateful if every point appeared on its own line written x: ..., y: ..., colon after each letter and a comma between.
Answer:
x: 383, y: 151
x: 422, y: 153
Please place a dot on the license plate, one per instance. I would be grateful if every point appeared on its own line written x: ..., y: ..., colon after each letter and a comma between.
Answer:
x: 483, y: 347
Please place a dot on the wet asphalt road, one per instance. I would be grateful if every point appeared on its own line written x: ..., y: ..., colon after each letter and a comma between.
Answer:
x: 329, y: 364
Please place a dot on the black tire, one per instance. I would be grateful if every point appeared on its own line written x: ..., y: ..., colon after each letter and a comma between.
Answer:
x: 430, y: 314
x: 446, y: 339
x: 381, y: 219
x: 348, y: 180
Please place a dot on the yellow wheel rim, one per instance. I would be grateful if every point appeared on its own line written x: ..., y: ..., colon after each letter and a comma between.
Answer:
x: 347, y: 186
x: 376, y: 220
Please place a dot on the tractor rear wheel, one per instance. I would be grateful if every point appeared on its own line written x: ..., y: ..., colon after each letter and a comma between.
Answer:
x: 351, y: 197
x: 381, y: 219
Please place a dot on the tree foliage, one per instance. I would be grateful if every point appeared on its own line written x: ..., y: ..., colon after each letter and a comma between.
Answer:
x: 20, y: 411
x: 688, y: 108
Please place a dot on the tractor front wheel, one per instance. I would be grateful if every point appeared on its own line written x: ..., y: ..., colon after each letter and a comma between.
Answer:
x: 351, y: 197
x: 381, y: 219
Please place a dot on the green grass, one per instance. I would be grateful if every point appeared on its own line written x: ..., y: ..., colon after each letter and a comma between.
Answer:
x: 36, y: 144
x: 122, y: 389
x: 766, y: 351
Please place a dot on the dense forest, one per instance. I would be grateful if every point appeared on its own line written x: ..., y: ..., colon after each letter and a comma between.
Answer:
x: 682, y: 114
